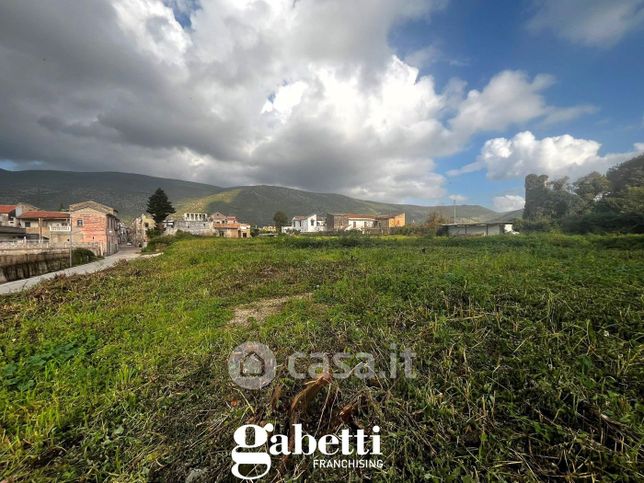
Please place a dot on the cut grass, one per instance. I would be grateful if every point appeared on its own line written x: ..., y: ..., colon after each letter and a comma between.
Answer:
x: 528, y: 358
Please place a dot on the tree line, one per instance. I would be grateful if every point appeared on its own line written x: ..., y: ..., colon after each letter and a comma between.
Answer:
x: 595, y: 203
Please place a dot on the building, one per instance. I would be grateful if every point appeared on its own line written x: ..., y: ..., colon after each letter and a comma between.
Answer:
x: 202, y: 224
x: 221, y: 219
x: 51, y: 226
x: 14, y: 234
x: 308, y: 224
x: 478, y: 229
x: 387, y: 222
x: 7, y: 215
x: 140, y: 227
x: 231, y: 230
x: 195, y: 223
x: 350, y: 221
x: 95, y: 223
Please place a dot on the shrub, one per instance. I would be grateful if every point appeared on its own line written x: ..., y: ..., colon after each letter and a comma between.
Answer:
x: 82, y: 255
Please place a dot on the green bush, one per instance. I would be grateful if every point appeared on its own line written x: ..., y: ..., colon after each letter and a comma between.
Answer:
x: 160, y: 243
x: 82, y: 255
x: 605, y: 222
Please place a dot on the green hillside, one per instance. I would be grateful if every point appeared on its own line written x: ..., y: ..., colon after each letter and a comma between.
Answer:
x: 257, y: 204
x: 128, y: 193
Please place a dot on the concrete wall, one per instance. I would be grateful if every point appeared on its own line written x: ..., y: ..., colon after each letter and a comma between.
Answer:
x: 19, y: 266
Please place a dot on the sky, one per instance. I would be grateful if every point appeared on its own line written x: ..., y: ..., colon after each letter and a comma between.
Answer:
x: 415, y: 101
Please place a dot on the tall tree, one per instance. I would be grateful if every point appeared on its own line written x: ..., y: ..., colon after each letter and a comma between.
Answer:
x: 281, y: 220
x: 159, y: 206
x: 535, y: 196
x: 628, y: 174
x: 549, y: 200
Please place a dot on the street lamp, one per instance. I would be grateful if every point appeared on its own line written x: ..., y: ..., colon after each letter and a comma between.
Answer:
x: 71, y: 241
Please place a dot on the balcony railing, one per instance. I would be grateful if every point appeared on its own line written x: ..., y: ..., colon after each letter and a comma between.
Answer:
x: 60, y: 228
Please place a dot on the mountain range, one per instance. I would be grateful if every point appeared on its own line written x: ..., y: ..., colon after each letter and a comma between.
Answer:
x: 128, y: 193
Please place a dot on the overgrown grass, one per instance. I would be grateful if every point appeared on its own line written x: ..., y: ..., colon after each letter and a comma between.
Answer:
x: 528, y: 365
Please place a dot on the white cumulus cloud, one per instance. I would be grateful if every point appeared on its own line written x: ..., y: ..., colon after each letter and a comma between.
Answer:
x: 555, y: 156
x: 307, y: 94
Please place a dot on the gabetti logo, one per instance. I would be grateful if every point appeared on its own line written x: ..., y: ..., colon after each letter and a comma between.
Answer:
x: 303, y: 444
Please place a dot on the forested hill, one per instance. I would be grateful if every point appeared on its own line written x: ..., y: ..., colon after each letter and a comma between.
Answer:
x: 128, y: 193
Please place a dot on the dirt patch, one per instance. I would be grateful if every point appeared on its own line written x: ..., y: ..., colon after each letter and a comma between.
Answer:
x: 262, y: 309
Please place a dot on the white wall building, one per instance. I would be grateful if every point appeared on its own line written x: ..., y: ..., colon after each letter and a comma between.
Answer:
x: 361, y: 222
x: 308, y: 224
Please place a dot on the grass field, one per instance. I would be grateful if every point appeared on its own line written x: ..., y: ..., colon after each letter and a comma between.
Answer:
x: 529, y: 358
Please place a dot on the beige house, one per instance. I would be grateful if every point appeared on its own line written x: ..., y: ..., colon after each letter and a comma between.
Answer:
x: 140, y: 227
x: 390, y: 221
x: 7, y: 215
x: 232, y: 230
x: 52, y: 226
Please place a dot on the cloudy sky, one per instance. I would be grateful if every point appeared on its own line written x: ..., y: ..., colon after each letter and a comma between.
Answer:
x: 418, y: 101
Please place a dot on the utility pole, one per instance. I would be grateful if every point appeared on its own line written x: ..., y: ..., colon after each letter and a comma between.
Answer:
x: 71, y: 241
x: 454, y: 202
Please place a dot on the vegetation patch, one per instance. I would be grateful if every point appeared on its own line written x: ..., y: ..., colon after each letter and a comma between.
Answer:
x: 528, y: 359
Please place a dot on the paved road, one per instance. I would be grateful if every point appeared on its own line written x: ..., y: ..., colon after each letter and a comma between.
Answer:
x: 107, y: 262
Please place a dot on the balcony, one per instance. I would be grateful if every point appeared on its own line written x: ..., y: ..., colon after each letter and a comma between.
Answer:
x: 59, y: 228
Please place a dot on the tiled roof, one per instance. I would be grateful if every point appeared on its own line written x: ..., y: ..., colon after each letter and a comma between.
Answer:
x: 94, y: 206
x: 6, y: 209
x: 44, y: 214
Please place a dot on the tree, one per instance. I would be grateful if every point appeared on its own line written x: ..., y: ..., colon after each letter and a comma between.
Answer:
x: 592, y: 188
x: 435, y: 219
x: 535, y: 196
x: 159, y: 206
x: 628, y: 174
x: 549, y: 200
x: 281, y: 220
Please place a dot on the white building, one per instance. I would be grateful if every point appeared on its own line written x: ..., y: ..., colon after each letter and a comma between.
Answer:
x: 478, y: 229
x: 361, y: 222
x: 308, y: 224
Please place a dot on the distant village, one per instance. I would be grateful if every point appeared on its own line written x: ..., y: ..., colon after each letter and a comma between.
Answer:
x: 97, y: 227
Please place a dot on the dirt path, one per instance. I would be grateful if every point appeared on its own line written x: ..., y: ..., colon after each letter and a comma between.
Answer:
x: 262, y: 309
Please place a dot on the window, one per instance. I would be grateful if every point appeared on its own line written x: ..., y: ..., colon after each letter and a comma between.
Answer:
x: 79, y: 222
x: 27, y: 224
x: 312, y: 222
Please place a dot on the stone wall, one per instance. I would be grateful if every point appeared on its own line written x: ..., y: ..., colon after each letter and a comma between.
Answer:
x: 19, y: 266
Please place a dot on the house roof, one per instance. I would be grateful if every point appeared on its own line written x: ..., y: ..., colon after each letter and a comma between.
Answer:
x: 299, y: 217
x: 33, y: 215
x: 493, y: 223
x: 6, y: 209
x: 94, y: 206
x: 386, y: 217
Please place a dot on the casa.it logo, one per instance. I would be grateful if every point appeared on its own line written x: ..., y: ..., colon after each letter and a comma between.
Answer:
x: 251, y: 365
x: 258, y: 462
